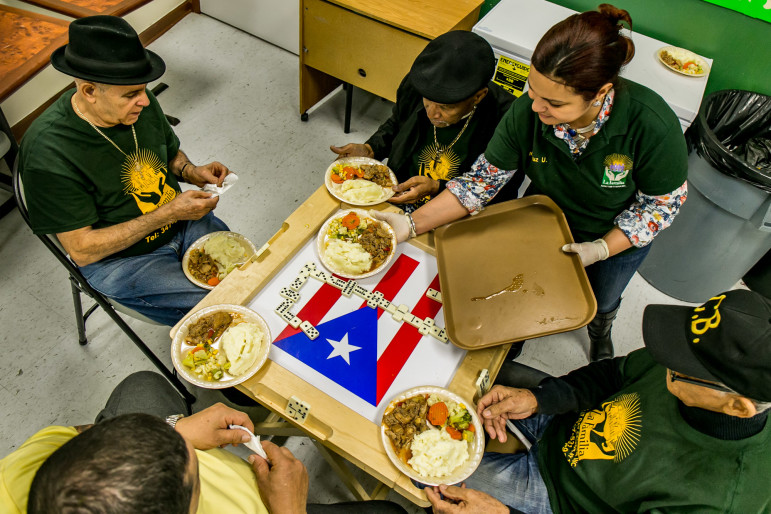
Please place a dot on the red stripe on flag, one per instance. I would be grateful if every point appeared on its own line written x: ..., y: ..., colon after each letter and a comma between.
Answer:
x: 321, y: 302
x: 404, y: 342
x: 394, y: 279
x: 314, y: 310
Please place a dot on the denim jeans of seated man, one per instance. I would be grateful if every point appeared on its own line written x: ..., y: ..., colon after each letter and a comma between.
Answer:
x: 154, y: 284
x: 514, y: 478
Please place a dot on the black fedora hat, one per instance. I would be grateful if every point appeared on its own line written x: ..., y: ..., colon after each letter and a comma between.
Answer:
x: 453, y: 67
x: 107, y: 49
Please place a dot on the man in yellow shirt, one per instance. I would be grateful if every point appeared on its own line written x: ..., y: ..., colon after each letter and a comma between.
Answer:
x: 135, y: 462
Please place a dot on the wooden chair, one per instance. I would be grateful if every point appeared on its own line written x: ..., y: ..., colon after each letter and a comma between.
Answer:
x: 80, y: 285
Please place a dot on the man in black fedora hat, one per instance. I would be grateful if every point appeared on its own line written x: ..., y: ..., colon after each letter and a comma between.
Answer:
x: 678, y: 426
x: 446, y: 111
x: 101, y: 169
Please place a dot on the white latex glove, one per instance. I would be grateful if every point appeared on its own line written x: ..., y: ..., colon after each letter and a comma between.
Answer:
x: 589, y: 252
x: 398, y: 222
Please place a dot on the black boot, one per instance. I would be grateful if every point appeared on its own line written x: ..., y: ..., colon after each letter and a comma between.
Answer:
x: 599, y: 334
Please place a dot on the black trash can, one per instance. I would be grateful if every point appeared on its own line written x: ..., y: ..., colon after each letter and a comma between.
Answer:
x: 724, y: 227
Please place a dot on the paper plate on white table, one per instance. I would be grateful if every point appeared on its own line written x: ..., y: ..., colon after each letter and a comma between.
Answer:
x: 203, y: 330
x: 341, y: 250
x: 432, y: 460
x: 683, y: 61
x: 360, y: 181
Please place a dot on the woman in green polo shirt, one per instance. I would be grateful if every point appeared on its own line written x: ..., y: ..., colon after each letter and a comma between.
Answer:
x: 608, y: 151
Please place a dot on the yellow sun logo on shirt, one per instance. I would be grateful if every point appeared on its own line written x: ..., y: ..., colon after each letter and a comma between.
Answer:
x: 143, y: 176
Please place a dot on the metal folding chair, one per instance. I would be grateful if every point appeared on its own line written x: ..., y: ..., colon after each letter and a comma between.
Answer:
x: 80, y: 285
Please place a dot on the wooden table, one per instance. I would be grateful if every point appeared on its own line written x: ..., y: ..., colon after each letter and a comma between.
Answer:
x: 331, y: 423
x: 370, y: 44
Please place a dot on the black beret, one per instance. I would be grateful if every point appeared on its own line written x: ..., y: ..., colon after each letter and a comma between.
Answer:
x: 453, y: 67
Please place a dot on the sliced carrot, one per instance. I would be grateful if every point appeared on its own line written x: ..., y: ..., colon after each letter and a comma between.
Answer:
x: 337, y: 179
x: 349, y: 172
x: 437, y: 414
x: 213, y: 281
x: 471, y: 428
x: 455, y: 434
x: 350, y: 221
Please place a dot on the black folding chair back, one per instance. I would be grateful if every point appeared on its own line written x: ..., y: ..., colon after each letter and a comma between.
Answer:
x: 80, y: 285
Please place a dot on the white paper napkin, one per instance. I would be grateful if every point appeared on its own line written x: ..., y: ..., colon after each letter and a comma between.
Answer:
x: 226, y: 184
x: 254, y: 444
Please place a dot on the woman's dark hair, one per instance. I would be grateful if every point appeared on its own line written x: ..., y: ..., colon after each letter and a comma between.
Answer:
x: 586, y: 50
x: 127, y: 464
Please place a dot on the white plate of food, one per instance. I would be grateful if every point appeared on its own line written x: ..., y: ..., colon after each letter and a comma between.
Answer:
x: 683, y: 61
x: 352, y: 244
x: 209, y: 260
x: 360, y: 181
x: 417, y: 439
x: 221, y: 346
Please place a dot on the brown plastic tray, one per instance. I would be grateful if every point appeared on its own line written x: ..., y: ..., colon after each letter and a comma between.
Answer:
x: 515, y: 245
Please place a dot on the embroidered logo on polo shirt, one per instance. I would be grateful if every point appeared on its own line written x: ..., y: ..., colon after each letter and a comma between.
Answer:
x: 608, y: 433
x: 617, y: 168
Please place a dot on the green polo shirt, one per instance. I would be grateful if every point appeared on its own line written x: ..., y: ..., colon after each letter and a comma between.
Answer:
x: 640, y: 147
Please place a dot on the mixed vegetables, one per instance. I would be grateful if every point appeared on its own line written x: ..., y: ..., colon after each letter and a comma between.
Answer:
x: 452, y: 417
x: 206, y: 362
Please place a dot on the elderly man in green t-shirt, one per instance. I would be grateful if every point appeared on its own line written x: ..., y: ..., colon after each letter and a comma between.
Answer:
x: 101, y: 169
x: 678, y: 426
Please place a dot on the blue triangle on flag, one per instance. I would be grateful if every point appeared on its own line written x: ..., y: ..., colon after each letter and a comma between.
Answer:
x: 358, y: 377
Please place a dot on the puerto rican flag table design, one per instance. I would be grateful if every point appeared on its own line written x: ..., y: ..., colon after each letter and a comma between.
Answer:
x: 362, y: 356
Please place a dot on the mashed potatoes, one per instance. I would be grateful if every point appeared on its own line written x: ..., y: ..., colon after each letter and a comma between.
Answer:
x: 436, y: 454
x: 241, y: 343
x: 361, y: 191
x: 347, y: 257
x: 226, y: 251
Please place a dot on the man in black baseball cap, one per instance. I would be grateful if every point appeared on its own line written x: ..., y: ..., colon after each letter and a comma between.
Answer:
x: 680, y: 425
x: 447, y: 108
x: 101, y: 169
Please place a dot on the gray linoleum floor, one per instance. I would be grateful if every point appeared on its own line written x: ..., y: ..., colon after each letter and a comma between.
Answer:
x: 237, y: 97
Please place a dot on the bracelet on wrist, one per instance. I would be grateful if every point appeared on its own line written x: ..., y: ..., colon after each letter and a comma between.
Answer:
x: 413, y: 231
x: 182, y: 171
x: 172, y: 420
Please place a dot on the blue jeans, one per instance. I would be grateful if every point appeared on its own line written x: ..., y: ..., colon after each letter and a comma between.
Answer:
x: 154, y: 284
x: 514, y: 478
x: 610, y: 277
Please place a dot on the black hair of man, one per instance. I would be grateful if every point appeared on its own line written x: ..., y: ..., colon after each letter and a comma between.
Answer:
x: 128, y: 464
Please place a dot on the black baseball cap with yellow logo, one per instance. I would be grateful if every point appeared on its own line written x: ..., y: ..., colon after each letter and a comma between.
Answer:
x: 726, y: 340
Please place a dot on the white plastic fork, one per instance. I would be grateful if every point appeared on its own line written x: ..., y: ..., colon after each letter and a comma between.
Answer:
x: 254, y: 443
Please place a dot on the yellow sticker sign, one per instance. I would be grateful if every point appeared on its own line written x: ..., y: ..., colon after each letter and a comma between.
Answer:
x: 511, y: 75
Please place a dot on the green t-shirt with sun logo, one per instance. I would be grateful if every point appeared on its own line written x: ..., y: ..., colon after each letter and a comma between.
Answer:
x: 640, y: 148
x: 450, y: 158
x: 73, y: 177
x: 634, y: 452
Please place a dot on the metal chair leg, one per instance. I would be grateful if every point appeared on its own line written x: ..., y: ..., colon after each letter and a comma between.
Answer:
x: 79, y: 319
x: 171, y: 377
x: 348, y: 106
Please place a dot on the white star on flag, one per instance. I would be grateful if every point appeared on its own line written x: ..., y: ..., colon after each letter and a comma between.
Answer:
x: 342, y: 349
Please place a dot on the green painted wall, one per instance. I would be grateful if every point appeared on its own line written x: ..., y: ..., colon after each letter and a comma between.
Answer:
x: 740, y: 45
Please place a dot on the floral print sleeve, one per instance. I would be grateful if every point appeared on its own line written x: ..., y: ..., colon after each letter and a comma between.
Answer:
x: 649, y: 215
x: 477, y: 187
